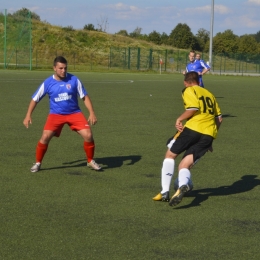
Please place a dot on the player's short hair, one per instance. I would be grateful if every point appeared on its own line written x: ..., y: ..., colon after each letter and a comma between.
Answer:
x: 60, y: 59
x: 192, y: 77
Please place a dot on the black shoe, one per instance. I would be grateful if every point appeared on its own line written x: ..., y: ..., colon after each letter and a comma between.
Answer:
x: 179, y: 194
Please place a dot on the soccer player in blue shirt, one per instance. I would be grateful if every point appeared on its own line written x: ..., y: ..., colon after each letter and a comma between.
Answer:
x: 63, y: 90
x: 197, y: 65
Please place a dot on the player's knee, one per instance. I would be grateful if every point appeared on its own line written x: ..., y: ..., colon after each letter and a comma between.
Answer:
x: 169, y: 154
x: 46, y: 137
x: 86, y: 135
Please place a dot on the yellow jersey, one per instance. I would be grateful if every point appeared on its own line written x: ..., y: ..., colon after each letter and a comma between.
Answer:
x: 200, y: 99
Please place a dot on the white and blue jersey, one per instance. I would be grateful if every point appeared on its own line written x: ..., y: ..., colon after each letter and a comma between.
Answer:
x: 198, y: 66
x: 63, y: 94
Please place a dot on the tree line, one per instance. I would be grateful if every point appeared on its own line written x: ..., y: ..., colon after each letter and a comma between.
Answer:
x: 181, y: 37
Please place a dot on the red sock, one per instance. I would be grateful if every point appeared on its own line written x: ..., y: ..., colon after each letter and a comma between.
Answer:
x: 89, y: 148
x: 40, y: 151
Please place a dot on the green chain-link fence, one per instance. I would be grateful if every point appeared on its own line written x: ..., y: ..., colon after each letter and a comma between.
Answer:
x: 15, y: 40
x: 16, y: 51
x: 176, y: 60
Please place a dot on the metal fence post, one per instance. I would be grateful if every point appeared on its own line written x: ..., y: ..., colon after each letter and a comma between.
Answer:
x: 220, y: 66
x: 129, y: 58
x: 5, y: 39
x: 74, y: 59
x: 138, y: 58
x: 151, y: 59
x: 165, y: 60
x: 225, y: 56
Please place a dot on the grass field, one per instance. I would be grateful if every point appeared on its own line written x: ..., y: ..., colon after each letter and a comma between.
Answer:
x: 67, y: 211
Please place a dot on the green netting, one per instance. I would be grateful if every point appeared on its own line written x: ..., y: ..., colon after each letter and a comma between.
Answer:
x: 176, y: 60
x: 16, y: 52
x: 15, y: 42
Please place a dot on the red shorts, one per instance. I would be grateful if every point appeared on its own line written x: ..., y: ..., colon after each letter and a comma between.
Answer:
x: 75, y: 121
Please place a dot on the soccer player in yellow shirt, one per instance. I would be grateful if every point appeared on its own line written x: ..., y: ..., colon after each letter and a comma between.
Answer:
x: 203, y: 118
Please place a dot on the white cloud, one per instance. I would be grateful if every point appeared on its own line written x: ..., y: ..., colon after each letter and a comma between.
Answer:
x: 220, y: 9
x: 248, y: 22
x: 254, y: 2
x: 34, y: 8
x: 244, y: 22
x: 123, y: 11
x: 122, y: 7
x: 56, y: 10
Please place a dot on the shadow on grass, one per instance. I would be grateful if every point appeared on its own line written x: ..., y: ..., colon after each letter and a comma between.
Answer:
x: 107, y: 162
x: 247, y: 183
x: 228, y: 115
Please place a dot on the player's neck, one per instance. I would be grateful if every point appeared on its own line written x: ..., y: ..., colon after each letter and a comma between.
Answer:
x: 58, y: 78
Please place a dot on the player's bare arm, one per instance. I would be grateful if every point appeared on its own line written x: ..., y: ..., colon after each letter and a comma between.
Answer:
x: 205, y: 71
x: 28, y: 120
x: 218, y: 121
x: 92, y: 117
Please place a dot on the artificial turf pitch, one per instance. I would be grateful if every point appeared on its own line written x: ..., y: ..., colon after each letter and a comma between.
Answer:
x: 67, y: 211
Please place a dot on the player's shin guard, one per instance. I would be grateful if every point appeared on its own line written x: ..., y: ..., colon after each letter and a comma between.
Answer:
x: 89, y: 148
x: 41, y: 149
x: 166, y: 174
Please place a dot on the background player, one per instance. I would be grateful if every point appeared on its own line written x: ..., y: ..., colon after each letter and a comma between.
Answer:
x: 197, y: 65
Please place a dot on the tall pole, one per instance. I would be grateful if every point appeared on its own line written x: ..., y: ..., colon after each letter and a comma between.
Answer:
x: 30, y: 39
x: 211, y: 32
x: 5, y: 35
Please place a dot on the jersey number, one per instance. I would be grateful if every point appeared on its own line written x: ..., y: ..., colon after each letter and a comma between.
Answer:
x: 207, y: 105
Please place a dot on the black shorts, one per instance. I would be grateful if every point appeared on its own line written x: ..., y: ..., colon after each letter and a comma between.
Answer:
x: 192, y: 142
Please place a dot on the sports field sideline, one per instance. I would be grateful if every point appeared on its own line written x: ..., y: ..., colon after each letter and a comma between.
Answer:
x: 67, y: 211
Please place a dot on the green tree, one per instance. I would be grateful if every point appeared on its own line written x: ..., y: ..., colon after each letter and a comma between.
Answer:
x: 202, y: 37
x: 247, y: 44
x: 24, y: 13
x: 257, y: 36
x: 155, y: 37
x: 123, y: 32
x: 181, y: 37
x: 164, y: 38
x: 89, y: 27
x: 136, y: 33
x: 226, y: 42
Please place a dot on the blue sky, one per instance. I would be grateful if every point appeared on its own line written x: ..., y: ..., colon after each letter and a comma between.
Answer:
x: 241, y: 16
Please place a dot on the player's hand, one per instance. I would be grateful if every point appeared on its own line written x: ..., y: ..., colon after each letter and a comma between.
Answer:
x: 27, y: 121
x: 92, y: 120
x: 179, y: 125
x: 210, y: 149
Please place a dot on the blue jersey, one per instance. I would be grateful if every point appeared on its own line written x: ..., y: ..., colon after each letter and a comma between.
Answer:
x: 198, y: 66
x: 63, y: 94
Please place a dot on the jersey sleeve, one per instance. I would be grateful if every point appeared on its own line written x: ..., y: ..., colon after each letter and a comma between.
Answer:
x: 39, y: 93
x: 204, y: 64
x: 81, y: 89
x: 190, y: 99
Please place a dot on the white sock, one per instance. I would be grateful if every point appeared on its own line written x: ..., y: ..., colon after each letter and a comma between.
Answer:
x: 184, y: 177
x: 167, y: 173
